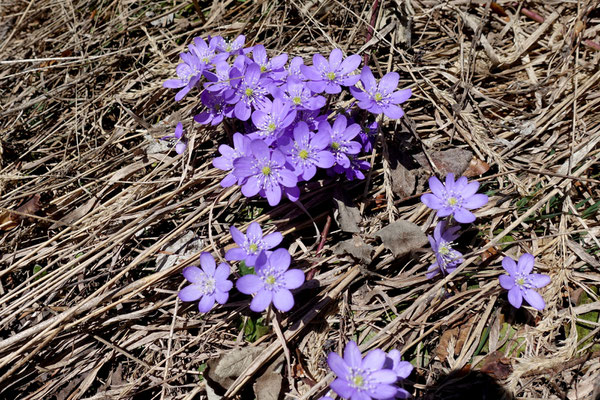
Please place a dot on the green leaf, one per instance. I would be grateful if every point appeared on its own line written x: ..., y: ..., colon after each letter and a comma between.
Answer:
x: 201, y: 369
x: 245, y: 270
x: 37, y: 268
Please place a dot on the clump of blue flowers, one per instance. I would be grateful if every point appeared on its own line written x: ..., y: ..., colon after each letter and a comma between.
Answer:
x: 287, y: 127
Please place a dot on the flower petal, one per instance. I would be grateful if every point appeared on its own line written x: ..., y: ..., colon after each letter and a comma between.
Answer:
x: 272, y: 239
x: 254, y: 232
x: 190, y: 293
x: 350, y: 64
x: 507, y: 282
x: 470, y: 189
x: 283, y: 300
x: 352, y: 355
x: 222, y: 296
x: 374, y: 360
x: 464, y: 216
x: 293, y: 278
x: 342, y: 388
x: 337, y: 364
x: 534, y: 299
x: 206, y: 303
x: 235, y: 254
x: 193, y: 274
x: 401, y: 96
x: 393, y: 112
x: 515, y: 297
x: 249, y: 284
x: 251, y: 187
x: 261, y: 301
x: 539, y: 280
x: 222, y: 272
x: 432, y: 201
x: 509, y: 265
x: 525, y: 264
x: 437, y: 188
x: 383, y: 391
x: 475, y: 201
x: 207, y: 262
x: 389, y: 82
x: 280, y: 260
x: 273, y: 195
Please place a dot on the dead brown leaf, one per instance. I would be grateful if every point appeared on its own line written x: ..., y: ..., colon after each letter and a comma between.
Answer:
x: 402, y: 237
x: 476, y: 167
x: 451, y: 160
x: 497, y: 365
x: 10, y: 220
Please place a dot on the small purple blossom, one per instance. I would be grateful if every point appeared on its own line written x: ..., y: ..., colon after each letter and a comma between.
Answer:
x: 267, y: 173
x: 233, y: 47
x: 402, y: 369
x: 447, y: 259
x: 299, y: 95
x: 454, y: 198
x: 271, y: 119
x: 189, y: 73
x: 250, y: 90
x: 341, y: 143
x: 520, y: 282
x: 251, y: 244
x: 207, y: 53
x: 327, y: 75
x: 241, y: 148
x: 209, y: 283
x: 354, y: 170
x: 362, y: 379
x: 181, y: 143
x: 293, y: 68
x: 306, y: 151
x: 272, y: 282
x: 216, y: 109
x: 273, y: 68
x: 382, y: 97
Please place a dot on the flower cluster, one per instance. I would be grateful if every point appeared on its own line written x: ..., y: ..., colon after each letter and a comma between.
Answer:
x: 286, y: 128
x: 271, y: 281
x: 452, y: 199
x: 373, y: 377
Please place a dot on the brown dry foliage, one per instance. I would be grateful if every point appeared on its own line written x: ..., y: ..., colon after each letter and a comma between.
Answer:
x: 84, y: 312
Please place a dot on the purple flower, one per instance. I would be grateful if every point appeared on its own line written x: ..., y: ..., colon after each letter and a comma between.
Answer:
x: 266, y: 172
x: 362, y: 379
x: 329, y: 75
x: 307, y: 151
x: 241, y: 148
x: 341, y: 143
x: 231, y: 47
x: 208, y: 284
x: 251, y: 90
x: 272, y: 282
x: 179, y: 136
x: 382, y: 97
x: 271, y: 119
x: 216, y: 109
x: 251, y: 244
x: 273, y: 68
x: 521, y: 282
x: 447, y: 259
x: 300, y: 96
x: 206, y: 53
x: 218, y: 81
x: 454, y: 198
x: 189, y: 73
x: 354, y: 170
x: 402, y: 370
x: 293, y: 68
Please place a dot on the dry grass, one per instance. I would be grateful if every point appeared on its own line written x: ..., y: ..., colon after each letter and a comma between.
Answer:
x: 85, y: 311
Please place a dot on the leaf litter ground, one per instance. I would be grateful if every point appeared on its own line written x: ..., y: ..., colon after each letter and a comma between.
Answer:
x: 98, y: 218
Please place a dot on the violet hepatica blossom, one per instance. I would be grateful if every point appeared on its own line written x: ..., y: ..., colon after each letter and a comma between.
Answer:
x: 362, y: 379
x: 293, y: 68
x: 354, y: 170
x: 273, y: 68
x: 209, y: 283
x: 299, y: 95
x: 382, y: 97
x: 250, y: 90
x: 327, y: 75
x: 207, y: 53
x: 189, y: 73
x: 454, y: 198
x: 520, y: 282
x: 233, y: 47
x: 267, y: 173
x: 271, y: 119
x: 446, y: 258
x: 251, y: 244
x: 306, y: 151
x: 216, y: 109
x: 402, y: 370
x: 241, y: 148
x: 179, y: 136
x: 272, y: 282
x: 341, y: 136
